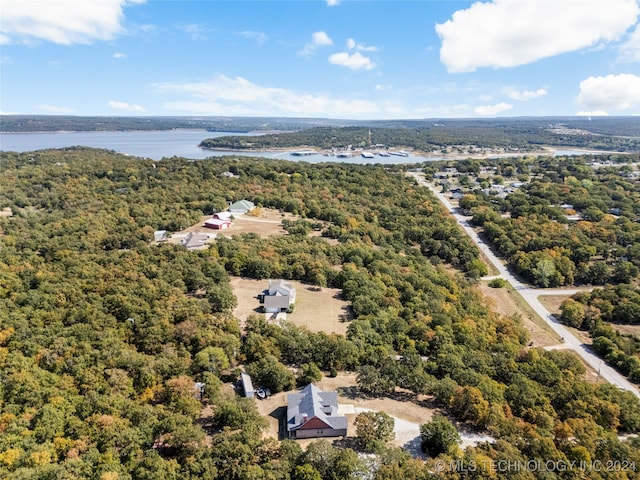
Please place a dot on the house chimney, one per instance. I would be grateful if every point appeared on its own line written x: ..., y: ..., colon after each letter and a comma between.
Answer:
x: 305, y: 417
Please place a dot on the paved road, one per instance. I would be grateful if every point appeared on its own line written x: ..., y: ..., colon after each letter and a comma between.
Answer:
x: 531, y: 295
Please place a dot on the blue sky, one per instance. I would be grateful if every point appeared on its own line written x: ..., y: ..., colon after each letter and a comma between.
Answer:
x: 336, y: 59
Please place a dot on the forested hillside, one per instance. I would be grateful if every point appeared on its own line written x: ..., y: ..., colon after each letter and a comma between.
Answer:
x: 511, y: 135
x: 104, y: 334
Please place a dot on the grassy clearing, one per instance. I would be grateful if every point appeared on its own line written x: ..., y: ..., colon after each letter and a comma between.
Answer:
x: 318, y: 310
x: 507, y: 302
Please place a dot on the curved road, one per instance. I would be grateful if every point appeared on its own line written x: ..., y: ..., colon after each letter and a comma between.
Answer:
x: 531, y: 295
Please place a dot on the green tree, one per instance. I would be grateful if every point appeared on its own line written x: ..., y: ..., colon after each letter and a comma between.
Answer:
x: 374, y: 430
x: 306, y: 472
x: 373, y: 382
x: 438, y: 436
x: 269, y: 373
x: 211, y: 359
x: 469, y: 405
x: 573, y: 313
x: 309, y: 373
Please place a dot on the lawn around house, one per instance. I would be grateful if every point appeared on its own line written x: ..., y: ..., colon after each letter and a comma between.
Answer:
x: 317, y: 309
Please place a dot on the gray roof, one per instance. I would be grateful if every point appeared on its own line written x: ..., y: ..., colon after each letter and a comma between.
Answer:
x: 277, y: 301
x: 313, y: 402
x: 280, y: 287
x: 195, y: 240
x: 247, y: 384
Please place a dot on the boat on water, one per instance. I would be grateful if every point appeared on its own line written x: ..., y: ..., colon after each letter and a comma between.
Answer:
x: 343, y: 155
x: 303, y: 153
x: 384, y: 154
x: 400, y: 153
x: 367, y: 154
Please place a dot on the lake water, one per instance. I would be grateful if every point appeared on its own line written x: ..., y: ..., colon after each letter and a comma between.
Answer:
x: 180, y: 143
x: 163, y: 144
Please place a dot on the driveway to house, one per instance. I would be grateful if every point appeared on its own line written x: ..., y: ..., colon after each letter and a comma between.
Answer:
x: 531, y: 295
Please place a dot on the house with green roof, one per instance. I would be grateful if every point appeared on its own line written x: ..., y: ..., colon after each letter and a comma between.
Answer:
x: 241, y: 206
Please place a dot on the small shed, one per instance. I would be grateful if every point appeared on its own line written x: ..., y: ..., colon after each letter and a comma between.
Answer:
x: 198, y: 390
x: 247, y: 385
x: 160, y: 236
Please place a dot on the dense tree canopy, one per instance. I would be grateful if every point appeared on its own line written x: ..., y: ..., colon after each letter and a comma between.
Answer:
x: 104, y: 334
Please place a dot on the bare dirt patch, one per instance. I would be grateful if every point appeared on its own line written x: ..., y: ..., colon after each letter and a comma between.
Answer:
x: 265, y: 223
x: 506, y: 302
x: 553, y: 302
x: 627, y: 329
x: 317, y: 309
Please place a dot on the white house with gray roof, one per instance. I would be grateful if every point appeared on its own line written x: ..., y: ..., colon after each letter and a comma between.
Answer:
x: 312, y: 413
x: 279, y: 296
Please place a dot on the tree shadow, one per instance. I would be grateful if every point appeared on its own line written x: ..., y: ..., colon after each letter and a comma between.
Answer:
x: 347, y: 314
x: 347, y: 442
x: 348, y: 392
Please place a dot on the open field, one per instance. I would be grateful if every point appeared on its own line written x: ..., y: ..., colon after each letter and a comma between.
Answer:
x: 315, y: 309
x: 265, y: 224
x: 506, y: 302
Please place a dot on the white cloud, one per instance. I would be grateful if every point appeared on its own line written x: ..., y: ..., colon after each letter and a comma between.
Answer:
x: 321, y: 38
x: 492, y: 109
x: 257, y: 36
x: 119, y: 55
x: 196, y: 32
x: 61, y: 21
x: 508, y: 33
x: 524, y: 95
x: 318, y: 39
x: 126, y: 106
x: 354, y: 61
x: 617, y: 93
x: 353, y: 45
x: 238, y: 96
x: 333, y: 3
x: 55, y: 109
x: 630, y: 50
